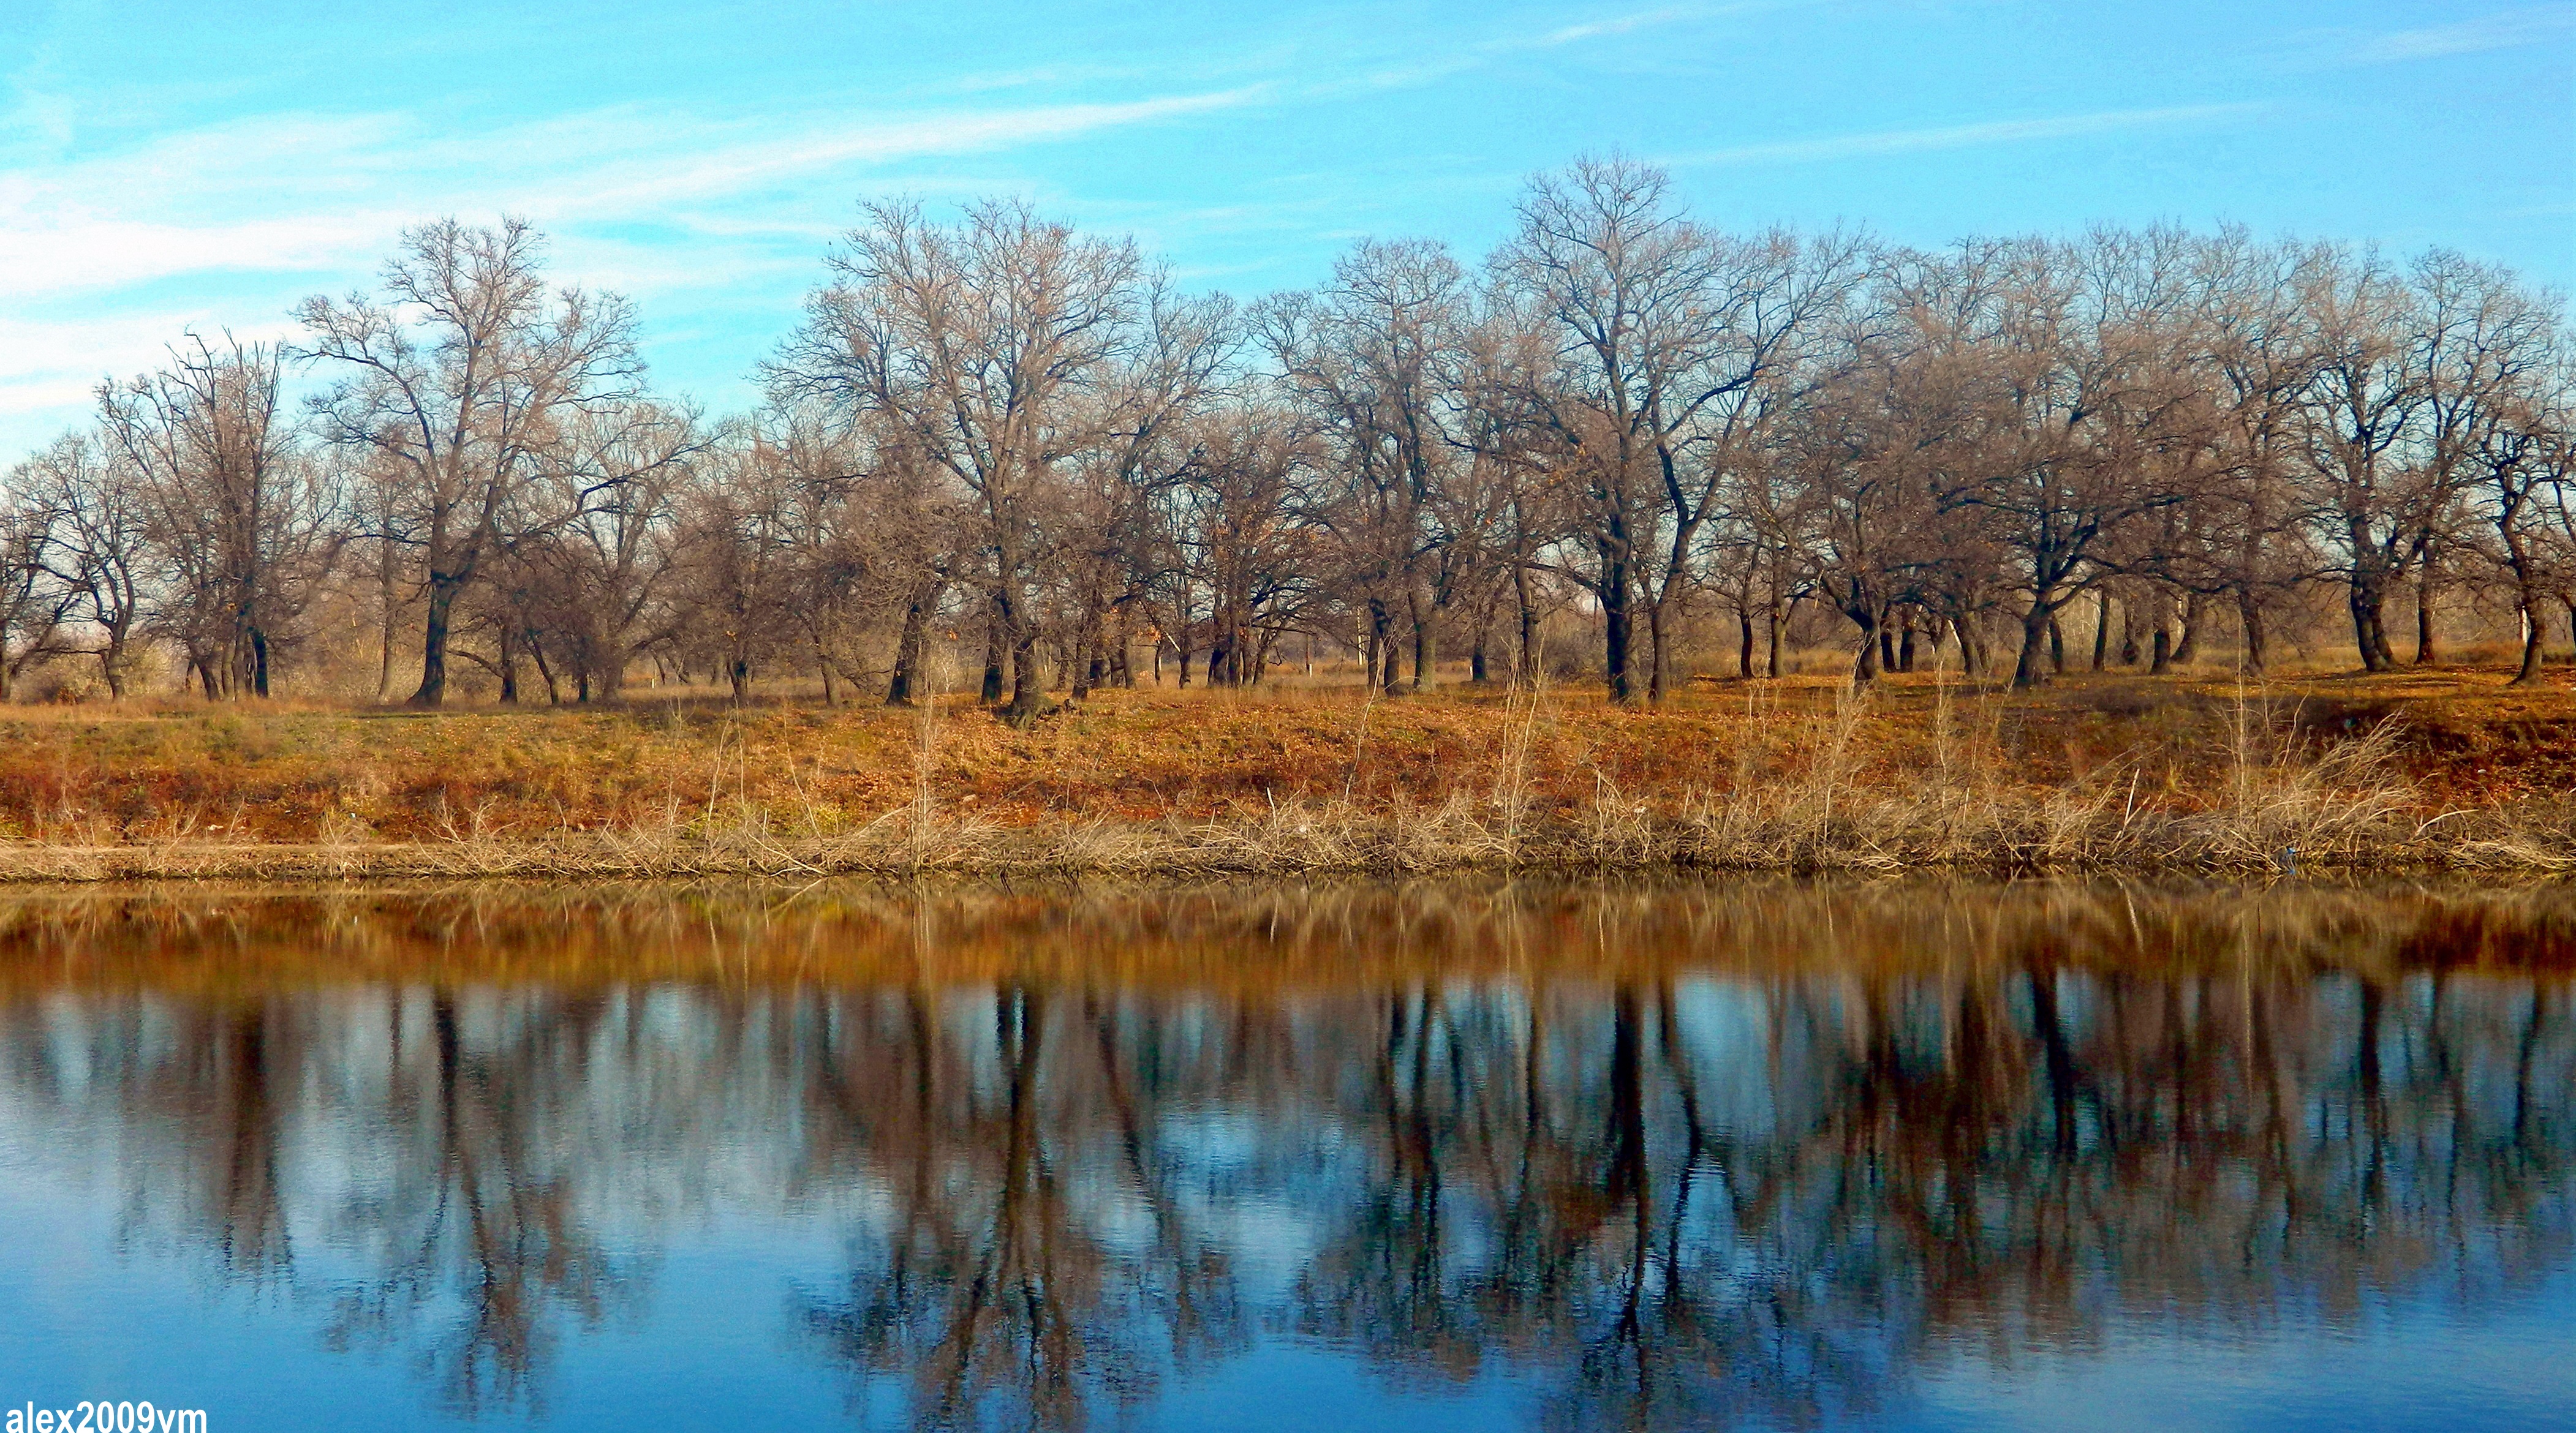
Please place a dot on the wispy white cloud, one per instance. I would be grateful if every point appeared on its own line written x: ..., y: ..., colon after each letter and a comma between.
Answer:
x: 314, y: 200
x: 307, y: 192
x: 1966, y: 136
x: 320, y: 193
x: 741, y: 167
x: 87, y: 252
x: 1466, y: 57
x: 2504, y: 30
x: 1037, y: 76
x: 93, y: 249
x: 1617, y: 25
x: 49, y: 369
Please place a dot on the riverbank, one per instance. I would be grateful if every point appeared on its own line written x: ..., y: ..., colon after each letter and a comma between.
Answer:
x: 237, y: 939
x: 2443, y: 770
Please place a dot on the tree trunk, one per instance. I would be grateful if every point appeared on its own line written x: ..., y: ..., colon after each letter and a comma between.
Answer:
x: 2187, y: 645
x: 1865, y: 663
x: 1384, y: 662
x: 443, y: 591
x: 1125, y: 655
x: 1615, y: 622
x: 2029, y: 668
x: 993, y: 648
x: 1426, y: 650
x: 2526, y: 601
x: 386, y: 612
x: 2161, y: 639
x: 1777, y: 623
x: 2531, y: 639
x: 1525, y: 657
x: 1027, y: 697
x: 2101, y: 628
x: 2365, y: 602
x: 2056, y: 647
x: 2258, y: 641
x: 1085, y: 659
x: 1744, y: 641
x: 911, y: 649
x: 509, y: 665
x: 1659, y: 661
x: 554, y: 692
x: 2424, y: 653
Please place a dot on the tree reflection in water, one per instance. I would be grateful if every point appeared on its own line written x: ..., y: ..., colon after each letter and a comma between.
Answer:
x: 1666, y: 1156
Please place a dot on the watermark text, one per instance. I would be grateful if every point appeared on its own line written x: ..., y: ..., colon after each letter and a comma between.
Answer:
x: 102, y: 1416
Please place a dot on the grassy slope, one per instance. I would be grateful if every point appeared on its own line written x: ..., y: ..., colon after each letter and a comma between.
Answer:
x: 692, y: 768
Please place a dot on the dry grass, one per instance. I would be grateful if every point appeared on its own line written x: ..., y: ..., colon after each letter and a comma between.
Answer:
x: 2440, y: 770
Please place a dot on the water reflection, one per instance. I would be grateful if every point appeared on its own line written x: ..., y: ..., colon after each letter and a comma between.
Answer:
x: 1618, y: 1157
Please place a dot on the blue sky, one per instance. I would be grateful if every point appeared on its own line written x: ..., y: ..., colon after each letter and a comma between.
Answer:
x: 207, y: 165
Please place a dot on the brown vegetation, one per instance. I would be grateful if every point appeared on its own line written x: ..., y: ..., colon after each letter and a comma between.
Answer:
x: 2445, y: 770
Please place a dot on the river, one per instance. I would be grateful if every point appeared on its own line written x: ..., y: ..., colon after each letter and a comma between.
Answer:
x: 1463, y: 1155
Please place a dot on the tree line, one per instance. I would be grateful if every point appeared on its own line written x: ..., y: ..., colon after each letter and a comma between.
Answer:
x: 996, y: 436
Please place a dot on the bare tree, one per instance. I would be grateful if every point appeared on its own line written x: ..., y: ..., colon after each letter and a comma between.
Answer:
x: 741, y: 578
x: 1643, y: 346
x: 1244, y: 485
x: 245, y: 525
x: 98, y: 555
x: 600, y: 536
x: 1369, y: 357
x: 2369, y: 503
x: 997, y: 426
x: 462, y: 377
x: 2482, y: 344
x: 2524, y: 456
x: 1177, y: 366
x: 36, y: 607
x: 990, y: 345
x: 2260, y: 355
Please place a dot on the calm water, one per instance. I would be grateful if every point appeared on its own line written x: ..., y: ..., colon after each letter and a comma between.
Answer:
x: 1462, y: 1157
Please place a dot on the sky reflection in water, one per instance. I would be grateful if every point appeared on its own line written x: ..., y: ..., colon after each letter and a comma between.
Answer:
x: 1429, y: 1157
